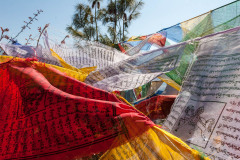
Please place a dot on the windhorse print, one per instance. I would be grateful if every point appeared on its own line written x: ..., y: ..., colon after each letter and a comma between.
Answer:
x: 193, y: 119
x: 198, y: 121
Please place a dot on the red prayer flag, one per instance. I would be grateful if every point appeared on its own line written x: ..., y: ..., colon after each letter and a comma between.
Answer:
x: 157, y: 107
x: 157, y: 39
x: 47, y: 115
x: 121, y: 48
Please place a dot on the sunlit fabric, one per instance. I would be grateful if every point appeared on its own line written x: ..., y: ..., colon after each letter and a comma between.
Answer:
x: 86, y: 56
x: 50, y: 108
x: 226, y: 17
x: 138, y: 69
x: 79, y: 74
x: 223, y: 18
x: 173, y: 33
x: 21, y: 51
x: 206, y: 113
x: 89, y: 56
x: 52, y: 116
x: 220, y: 19
x: 157, y: 107
x: 157, y: 39
x: 154, y: 144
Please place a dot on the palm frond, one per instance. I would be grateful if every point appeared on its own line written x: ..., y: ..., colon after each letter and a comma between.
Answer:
x: 74, y: 32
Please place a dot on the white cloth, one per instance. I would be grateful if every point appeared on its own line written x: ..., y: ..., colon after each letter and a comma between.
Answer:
x: 206, y: 114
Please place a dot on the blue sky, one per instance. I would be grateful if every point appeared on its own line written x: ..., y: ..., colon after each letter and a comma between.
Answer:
x: 156, y: 14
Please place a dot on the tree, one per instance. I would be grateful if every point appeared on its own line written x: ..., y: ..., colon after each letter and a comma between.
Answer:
x: 82, y: 25
x: 129, y: 11
x: 110, y: 17
x: 85, y: 23
x: 96, y: 6
x: 116, y: 17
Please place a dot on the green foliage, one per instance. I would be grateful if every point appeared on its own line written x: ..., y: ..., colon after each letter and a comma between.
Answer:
x: 82, y: 24
x: 115, y: 18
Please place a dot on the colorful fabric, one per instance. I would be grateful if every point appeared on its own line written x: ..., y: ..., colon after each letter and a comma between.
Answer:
x: 79, y: 75
x: 121, y: 48
x: 164, y: 90
x: 139, y: 38
x: 201, y: 26
x: 52, y: 116
x: 154, y: 86
x: 62, y: 62
x: 178, y: 74
x: 206, y: 113
x: 154, y: 144
x: 169, y: 81
x: 157, y: 107
x: 173, y: 33
x: 145, y: 89
x: 71, y: 57
x: 140, y: 45
x: 223, y: 18
x: 129, y: 95
x: 226, y: 17
x: 189, y: 25
x: 138, y: 69
x: 42, y: 54
x: 138, y: 92
x: 133, y: 43
x: 157, y: 39
x: 220, y: 19
x: 47, y: 115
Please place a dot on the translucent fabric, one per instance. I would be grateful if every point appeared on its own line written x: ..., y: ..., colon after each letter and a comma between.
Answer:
x: 226, y: 17
x: 89, y: 55
x: 174, y: 33
x: 138, y: 69
x: 144, y: 43
x: 206, y: 113
x: 220, y: 19
x: 47, y: 115
x: 86, y: 56
x: 42, y: 54
x: 157, y: 108
x: 154, y: 144
x: 79, y: 74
